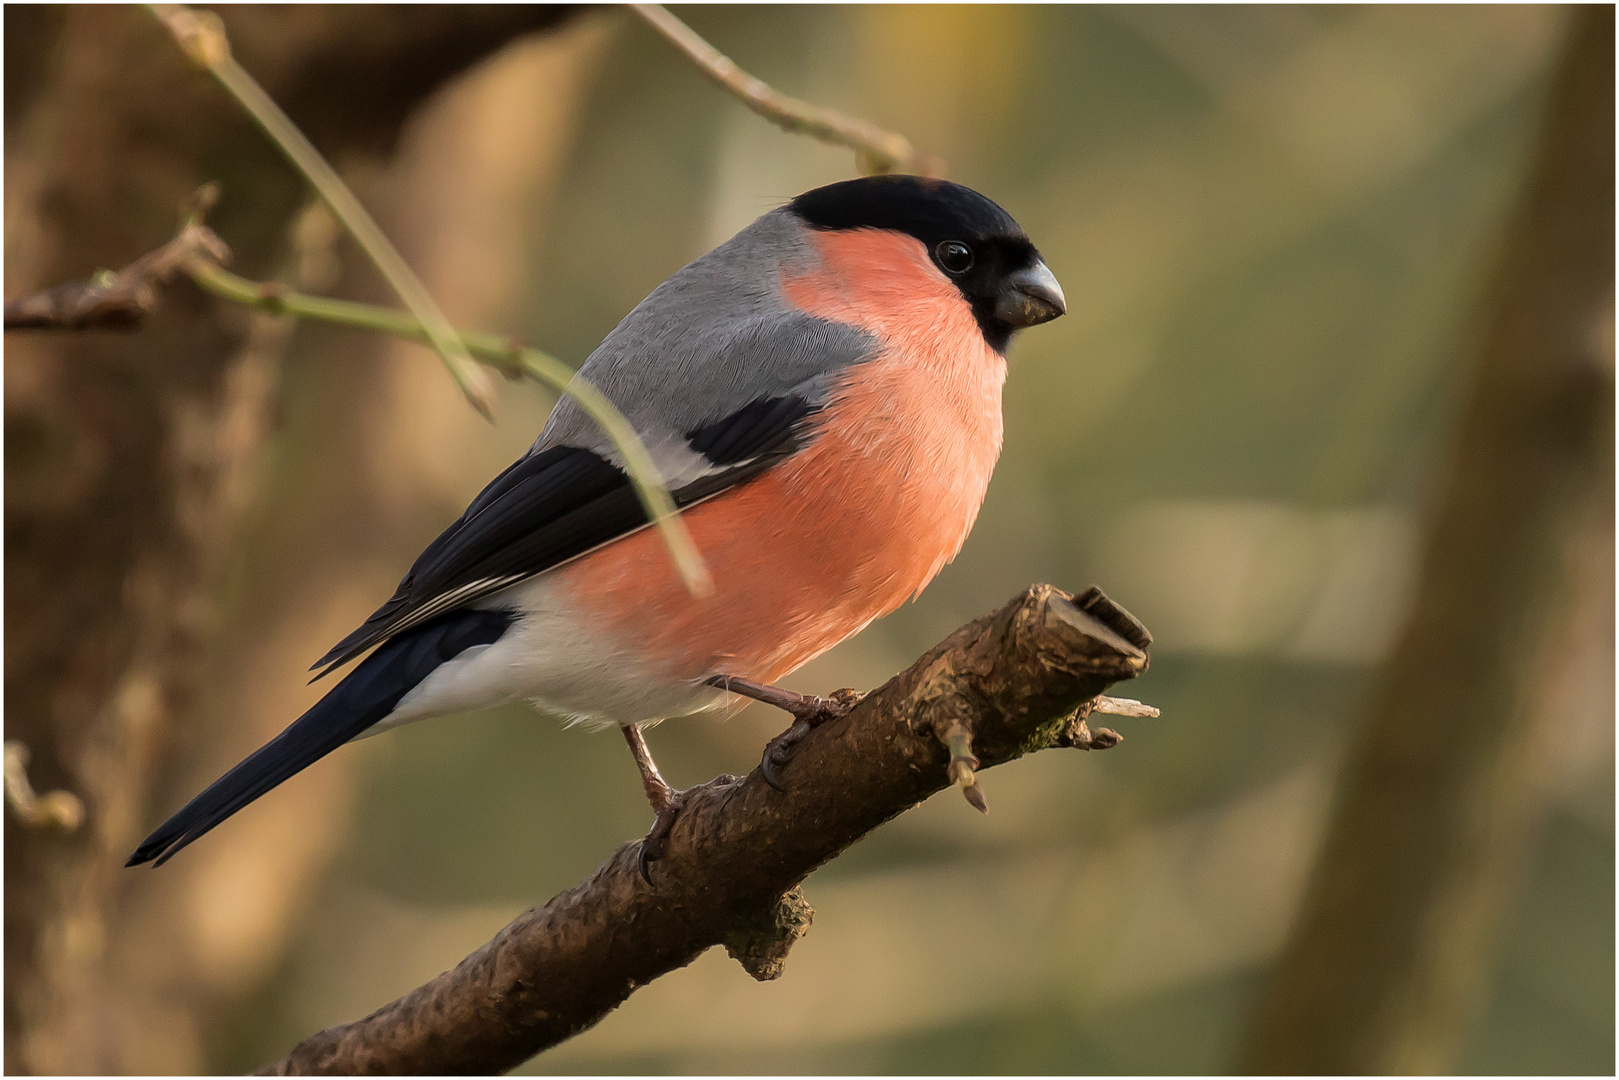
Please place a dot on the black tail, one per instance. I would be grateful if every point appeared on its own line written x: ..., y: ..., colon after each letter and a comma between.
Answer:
x: 364, y: 697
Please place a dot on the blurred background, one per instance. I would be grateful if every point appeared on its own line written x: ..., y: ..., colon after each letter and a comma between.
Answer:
x: 1280, y: 231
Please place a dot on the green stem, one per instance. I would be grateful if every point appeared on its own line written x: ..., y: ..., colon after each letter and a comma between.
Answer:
x: 202, y: 36
x: 505, y: 355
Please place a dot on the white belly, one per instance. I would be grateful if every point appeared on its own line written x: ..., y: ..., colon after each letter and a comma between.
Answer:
x: 550, y: 657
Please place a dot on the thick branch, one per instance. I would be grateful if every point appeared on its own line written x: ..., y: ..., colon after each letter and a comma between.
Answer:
x: 1014, y: 682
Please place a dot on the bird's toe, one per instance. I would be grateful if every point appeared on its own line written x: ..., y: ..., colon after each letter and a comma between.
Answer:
x: 655, y: 844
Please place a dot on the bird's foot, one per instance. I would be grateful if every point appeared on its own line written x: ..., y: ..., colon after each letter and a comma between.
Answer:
x: 805, y: 707
x: 811, y: 714
x: 668, y: 804
x: 656, y: 842
x: 807, y: 710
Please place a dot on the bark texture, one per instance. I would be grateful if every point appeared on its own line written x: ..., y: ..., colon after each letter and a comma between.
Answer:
x: 126, y: 455
x: 1445, y: 783
x: 1019, y: 680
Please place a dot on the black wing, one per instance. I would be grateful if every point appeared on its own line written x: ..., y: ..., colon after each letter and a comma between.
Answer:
x: 558, y: 503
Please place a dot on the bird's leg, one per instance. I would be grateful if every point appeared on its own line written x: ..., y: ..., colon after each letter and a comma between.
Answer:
x: 808, y: 713
x: 666, y: 801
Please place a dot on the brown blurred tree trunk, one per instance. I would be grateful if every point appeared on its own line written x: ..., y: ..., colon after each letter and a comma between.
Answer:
x: 125, y: 454
x: 1447, y: 781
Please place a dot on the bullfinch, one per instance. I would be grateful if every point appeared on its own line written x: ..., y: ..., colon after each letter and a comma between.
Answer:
x: 821, y: 395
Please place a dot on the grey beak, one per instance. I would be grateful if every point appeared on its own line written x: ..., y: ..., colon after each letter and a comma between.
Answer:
x: 1031, y: 297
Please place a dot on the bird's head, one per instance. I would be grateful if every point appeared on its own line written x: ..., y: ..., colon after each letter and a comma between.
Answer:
x: 975, y: 244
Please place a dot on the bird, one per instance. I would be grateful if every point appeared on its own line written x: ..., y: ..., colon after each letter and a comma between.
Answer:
x: 821, y: 395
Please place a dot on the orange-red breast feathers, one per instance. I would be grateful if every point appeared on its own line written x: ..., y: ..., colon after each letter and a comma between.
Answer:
x: 855, y: 523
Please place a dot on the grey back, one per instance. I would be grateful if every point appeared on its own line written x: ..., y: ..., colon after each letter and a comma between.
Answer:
x: 714, y: 337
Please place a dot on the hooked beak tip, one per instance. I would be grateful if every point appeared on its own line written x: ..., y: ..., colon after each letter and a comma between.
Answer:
x: 1033, y: 296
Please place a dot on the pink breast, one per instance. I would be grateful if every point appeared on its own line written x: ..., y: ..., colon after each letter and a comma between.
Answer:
x: 852, y: 526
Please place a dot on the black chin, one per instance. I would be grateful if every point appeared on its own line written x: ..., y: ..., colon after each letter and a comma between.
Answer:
x: 996, y: 332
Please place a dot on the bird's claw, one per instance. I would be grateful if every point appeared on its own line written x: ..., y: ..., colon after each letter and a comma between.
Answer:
x: 656, y: 842
x: 779, y: 750
x: 808, y: 714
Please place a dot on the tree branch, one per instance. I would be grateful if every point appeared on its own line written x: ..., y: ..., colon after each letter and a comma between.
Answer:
x: 116, y: 301
x: 1019, y: 680
x: 876, y: 150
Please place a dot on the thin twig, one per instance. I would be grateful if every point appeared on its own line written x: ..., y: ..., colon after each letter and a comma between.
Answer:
x: 115, y: 301
x: 1123, y: 706
x: 59, y: 809
x: 201, y: 35
x: 876, y: 150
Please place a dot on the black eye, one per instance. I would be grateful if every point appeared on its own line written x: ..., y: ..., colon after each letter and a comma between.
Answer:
x: 954, y: 256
